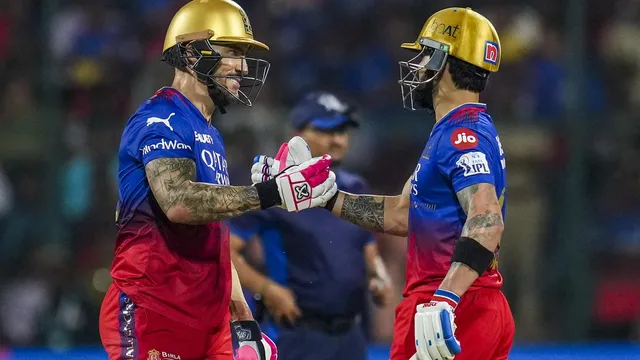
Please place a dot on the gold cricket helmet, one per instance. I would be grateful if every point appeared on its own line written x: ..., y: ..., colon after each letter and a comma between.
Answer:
x: 463, y: 34
x: 189, y: 44
x: 219, y: 21
x: 458, y: 32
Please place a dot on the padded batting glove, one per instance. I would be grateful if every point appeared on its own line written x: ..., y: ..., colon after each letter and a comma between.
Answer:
x: 294, y: 152
x: 435, y: 328
x: 252, y: 343
x: 299, y: 187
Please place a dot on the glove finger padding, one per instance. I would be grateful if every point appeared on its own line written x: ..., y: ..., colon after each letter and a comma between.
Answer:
x: 325, y: 191
x: 421, y: 340
x: 434, y: 331
x: 261, y: 169
x: 299, y: 152
x: 270, y: 348
x: 294, y: 152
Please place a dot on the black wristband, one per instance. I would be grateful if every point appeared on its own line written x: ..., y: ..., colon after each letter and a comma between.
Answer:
x: 268, y: 194
x: 332, y: 202
x: 247, y: 330
x: 471, y: 253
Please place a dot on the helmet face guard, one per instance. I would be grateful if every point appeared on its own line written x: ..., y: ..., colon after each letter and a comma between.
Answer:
x: 204, y: 61
x: 418, y: 73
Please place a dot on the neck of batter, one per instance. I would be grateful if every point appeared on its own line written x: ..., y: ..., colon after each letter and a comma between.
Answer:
x: 451, y: 100
x: 195, y: 91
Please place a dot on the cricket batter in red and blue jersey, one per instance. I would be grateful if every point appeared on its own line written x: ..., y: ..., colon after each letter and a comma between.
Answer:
x: 452, y: 208
x: 175, y: 294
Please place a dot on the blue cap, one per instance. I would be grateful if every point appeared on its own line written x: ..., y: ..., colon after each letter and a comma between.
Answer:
x: 323, y: 111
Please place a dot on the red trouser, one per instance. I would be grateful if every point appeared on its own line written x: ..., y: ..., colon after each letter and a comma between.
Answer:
x: 485, y: 326
x: 129, y: 332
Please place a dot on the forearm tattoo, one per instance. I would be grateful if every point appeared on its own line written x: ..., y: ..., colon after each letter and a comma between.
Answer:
x: 172, y: 182
x: 364, y: 211
x: 483, y: 211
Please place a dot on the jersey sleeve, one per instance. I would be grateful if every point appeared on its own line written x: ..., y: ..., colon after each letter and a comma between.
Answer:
x: 161, y: 134
x: 467, y: 157
x: 247, y: 225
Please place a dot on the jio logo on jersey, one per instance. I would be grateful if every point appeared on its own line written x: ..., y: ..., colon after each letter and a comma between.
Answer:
x: 464, y: 139
x: 473, y: 163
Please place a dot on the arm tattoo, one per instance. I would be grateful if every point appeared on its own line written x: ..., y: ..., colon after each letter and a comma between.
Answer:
x: 172, y: 182
x: 483, y: 211
x: 482, y: 221
x: 465, y: 195
x: 364, y: 211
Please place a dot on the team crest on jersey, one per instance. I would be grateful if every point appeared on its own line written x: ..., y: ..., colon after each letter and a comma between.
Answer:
x: 153, y: 354
x: 473, y: 163
x: 491, y: 52
x: 464, y: 139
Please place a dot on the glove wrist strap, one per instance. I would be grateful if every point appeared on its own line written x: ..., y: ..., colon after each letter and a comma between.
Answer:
x: 268, y: 194
x: 446, y: 296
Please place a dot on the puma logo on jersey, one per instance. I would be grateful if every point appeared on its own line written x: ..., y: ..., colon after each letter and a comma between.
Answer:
x: 156, y: 120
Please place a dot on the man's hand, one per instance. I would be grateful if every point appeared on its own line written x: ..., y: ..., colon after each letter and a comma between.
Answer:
x: 294, y: 152
x: 281, y: 304
x: 435, y: 328
x: 381, y: 291
x: 239, y: 311
x: 252, y: 343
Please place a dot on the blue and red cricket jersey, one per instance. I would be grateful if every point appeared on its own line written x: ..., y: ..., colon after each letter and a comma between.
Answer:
x: 463, y: 150
x: 180, y: 271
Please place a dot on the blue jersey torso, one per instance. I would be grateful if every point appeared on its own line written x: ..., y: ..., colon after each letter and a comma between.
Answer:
x: 463, y: 150
x: 181, y: 271
x: 167, y: 126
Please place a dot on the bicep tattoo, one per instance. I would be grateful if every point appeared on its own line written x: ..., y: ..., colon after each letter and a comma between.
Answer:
x: 465, y: 195
x: 482, y: 207
x: 166, y: 176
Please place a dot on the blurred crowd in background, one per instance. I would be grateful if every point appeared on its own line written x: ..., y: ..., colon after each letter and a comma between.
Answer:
x: 73, y: 71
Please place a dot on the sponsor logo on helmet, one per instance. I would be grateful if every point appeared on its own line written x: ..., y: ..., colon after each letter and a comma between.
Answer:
x: 444, y: 29
x: 245, y: 21
x: 491, y: 52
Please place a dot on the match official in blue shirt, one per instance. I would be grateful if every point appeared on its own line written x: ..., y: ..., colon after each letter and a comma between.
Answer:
x: 318, y: 268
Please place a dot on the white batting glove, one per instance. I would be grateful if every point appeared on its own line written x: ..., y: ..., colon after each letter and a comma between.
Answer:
x: 435, y: 328
x: 294, y: 152
x: 310, y: 184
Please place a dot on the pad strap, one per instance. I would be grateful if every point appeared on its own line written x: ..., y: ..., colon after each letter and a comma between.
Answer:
x: 471, y: 253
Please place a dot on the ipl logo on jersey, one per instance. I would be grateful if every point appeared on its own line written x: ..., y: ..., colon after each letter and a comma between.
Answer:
x: 473, y: 163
